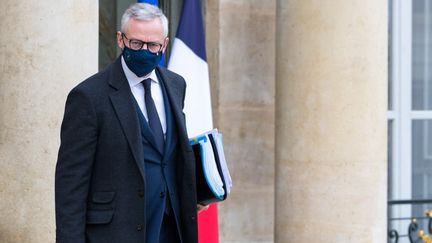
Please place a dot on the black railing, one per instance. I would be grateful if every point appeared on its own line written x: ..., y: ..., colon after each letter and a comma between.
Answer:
x: 414, y: 232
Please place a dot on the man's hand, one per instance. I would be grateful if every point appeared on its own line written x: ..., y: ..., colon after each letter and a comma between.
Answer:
x: 201, y: 208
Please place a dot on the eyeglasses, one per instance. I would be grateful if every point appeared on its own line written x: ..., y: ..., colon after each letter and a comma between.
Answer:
x: 136, y: 45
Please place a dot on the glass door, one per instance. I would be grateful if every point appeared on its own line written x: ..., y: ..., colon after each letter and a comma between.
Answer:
x: 410, y: 111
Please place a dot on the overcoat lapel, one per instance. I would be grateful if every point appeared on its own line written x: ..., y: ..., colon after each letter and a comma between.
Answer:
x: 121, y: 99
x: 175, y: 97
x: 169, y: 142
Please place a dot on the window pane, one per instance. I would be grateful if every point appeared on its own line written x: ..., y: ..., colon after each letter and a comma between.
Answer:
x: 422, y: 158
x: 390, y: 158
x: 421, y: 55
x: 390, y: 58
x: 421, y: 164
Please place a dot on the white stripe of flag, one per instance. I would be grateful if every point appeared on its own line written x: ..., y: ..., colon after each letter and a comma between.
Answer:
x: 197, y: 102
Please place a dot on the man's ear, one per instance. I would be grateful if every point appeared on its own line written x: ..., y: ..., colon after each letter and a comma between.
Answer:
x: 165, y: 44
x: 120, y: 40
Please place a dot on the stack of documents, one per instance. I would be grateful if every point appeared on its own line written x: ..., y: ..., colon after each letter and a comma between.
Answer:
x: 212, y: 174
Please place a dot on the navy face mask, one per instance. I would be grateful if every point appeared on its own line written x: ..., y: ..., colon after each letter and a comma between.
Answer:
x: 141, y: 62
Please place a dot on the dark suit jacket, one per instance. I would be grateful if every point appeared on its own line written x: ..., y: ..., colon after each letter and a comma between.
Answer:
x: 99, y: 182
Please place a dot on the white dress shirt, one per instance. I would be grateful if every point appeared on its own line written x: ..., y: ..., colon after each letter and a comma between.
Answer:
x: 137, y: 89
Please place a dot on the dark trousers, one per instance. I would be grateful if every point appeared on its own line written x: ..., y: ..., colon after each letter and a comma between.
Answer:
x: 169, y: 232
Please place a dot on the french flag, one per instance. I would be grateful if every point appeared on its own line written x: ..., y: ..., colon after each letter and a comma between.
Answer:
x: 188, y: 58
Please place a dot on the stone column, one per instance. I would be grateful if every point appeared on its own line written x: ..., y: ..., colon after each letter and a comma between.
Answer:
x: 46, y: 48
x: 241, y: 55
x: 331, y: 106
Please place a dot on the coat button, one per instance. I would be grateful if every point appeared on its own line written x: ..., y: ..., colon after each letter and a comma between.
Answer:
x: 139, y: 227
x: 141, y: 193
x: 162, y: 194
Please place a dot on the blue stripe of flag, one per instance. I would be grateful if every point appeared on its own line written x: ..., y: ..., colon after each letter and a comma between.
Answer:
x: 154, y: 2
x: 191, y: 30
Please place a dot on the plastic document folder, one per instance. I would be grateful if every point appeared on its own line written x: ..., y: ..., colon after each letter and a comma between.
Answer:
x: 213, y: 178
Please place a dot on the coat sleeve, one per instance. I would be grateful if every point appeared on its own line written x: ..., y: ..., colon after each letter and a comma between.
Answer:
x: 74, y: 167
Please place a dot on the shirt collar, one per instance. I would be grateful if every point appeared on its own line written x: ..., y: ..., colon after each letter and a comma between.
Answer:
x: 132, y: 78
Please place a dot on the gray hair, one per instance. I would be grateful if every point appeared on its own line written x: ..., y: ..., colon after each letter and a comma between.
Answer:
x: 145, y: 12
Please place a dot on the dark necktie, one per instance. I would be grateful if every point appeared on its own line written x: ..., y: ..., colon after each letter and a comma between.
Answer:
x: 152, y: 115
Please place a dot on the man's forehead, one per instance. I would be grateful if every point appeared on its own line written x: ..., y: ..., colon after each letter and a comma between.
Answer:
x: 148, y: 29
x: 153, y: 24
